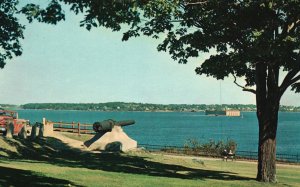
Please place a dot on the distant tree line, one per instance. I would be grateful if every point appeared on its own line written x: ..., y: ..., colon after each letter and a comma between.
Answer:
x: 8, y: 106
x: 122, y: 106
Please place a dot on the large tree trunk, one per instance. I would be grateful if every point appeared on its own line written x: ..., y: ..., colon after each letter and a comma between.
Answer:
x: 267, y: 102
x: 267, y: 144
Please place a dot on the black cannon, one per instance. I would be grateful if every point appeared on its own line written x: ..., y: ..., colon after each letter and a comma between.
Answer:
x: 108, y: 125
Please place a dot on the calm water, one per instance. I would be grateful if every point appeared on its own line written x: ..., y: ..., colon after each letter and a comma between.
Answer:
x: 175, y: 128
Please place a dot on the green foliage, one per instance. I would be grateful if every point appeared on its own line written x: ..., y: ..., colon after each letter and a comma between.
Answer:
x: 121, y: 106
x: 239, y: 33
x: 8, y: 106
x: 11, y: 31
x: 51, y: 14
x: 211, y: 148
x: 105, y: 13
x: 296, y: 87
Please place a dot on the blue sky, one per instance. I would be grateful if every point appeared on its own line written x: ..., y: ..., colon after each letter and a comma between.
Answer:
x: 66, y: 63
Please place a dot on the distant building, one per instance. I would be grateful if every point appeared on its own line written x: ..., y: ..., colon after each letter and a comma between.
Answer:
x: 233, y: 113
x: 223, y: 112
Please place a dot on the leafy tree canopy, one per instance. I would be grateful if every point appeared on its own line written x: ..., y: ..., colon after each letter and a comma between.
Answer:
x: 240, y: 34
x: 11, y: 30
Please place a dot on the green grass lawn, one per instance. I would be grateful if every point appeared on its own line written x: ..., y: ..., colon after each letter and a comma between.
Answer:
x: 48, y: 162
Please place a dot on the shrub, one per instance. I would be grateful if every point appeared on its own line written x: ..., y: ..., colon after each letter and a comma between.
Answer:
x: 211, y: 148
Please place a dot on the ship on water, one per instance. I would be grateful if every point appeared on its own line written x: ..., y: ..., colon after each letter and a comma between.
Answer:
x: 223, y: 113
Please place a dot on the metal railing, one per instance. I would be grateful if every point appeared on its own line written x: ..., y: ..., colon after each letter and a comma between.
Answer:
x: 279, y: 156
x: 198, y: 152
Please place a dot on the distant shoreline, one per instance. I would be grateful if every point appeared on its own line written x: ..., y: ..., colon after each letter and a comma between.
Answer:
x: 140, y: 111
x: 142, y: 107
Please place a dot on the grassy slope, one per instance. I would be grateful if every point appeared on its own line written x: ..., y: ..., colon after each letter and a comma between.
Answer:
x: 49, y: 162
x: 82, y: 137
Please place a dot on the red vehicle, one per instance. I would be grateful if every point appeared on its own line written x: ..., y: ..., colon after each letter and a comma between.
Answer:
x: 7, y: 117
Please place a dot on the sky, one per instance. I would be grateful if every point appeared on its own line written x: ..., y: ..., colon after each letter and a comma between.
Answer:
x: 66, y: 63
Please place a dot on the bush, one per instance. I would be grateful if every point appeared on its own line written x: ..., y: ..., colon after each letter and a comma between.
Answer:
x: 171, y: 150
x: 212, y: 148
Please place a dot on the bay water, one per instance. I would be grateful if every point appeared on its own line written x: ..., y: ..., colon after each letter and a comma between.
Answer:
x: 175, y: 128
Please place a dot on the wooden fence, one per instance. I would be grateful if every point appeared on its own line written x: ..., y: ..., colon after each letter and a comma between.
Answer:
x: 79, y: 128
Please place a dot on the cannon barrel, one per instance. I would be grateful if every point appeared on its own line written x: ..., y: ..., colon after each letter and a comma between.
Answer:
x: 107, y: 125
x: 125, y: 123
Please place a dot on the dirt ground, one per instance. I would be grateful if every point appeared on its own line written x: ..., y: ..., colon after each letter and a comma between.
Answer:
x: 70, y: 142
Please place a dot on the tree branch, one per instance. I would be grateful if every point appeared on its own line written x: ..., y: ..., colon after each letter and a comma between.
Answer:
x: 293, y: 26
x: 289, y: 80
x: 289, y: 27
x: 195, y: 3
x: 186, y: 3
x: 244, y: 88
x: 294, y: 80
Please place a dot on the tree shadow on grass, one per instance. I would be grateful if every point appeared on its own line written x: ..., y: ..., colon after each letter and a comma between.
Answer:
x: 54, y: 151
x: 140, y: 165
x: 18, y: 177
